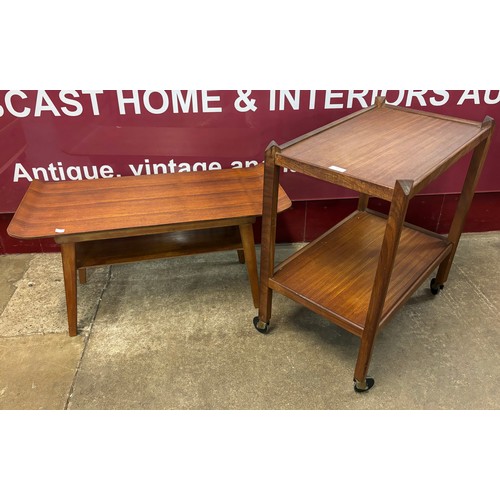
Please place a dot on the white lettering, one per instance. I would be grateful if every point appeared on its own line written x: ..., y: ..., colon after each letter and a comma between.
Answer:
x: 21, y: 173
x: 159, y: 166
x: 206, y: 99
x: 52, y: 171
x: 74, y: 173
x: 272, y: 100
x: 60, y: 173
x: 397, y: 102
x: 312, y: 99
x: 44, y: 103
x: 136, y: 171
x: 469, y: 95
x: 419, y: 94
x: 445, y: 97
x: 185, y: 103
x: 128, y: 100
x: 147, y: 103
x: 171, y: 167
x: 93, y: 100
x: 184, y: 167
x: 106, y: 171
x: 489, y: 100
x: 66, y: 100
x: 203, y: 166
x: 293, y: 100
x: 248, y: 163
x: 353, y: 94
x: 10, y: 108
x: 88, y: 175
x: 40, y: 170
x: 330, y: 94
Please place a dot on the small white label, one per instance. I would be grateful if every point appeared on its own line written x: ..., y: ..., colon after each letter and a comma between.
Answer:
x: 59, y: 230
x: 337, y: 169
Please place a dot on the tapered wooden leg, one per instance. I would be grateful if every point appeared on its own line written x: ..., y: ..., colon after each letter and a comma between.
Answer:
x: 241, y: 256
x: 464, y: 203
x: 387, y: 257
x: 363, y: 202
x: 82, y: 275
x: 69, y: 271
x: 269, y: 209
x: 246, y: 232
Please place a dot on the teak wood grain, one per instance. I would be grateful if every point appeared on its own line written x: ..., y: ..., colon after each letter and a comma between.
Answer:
x: 335, y: 274
x: 156, y: 246
x: 381, y: 146
x: 128, y: 203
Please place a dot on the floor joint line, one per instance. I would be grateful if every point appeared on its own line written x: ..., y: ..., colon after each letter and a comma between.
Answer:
x: 86, y: 340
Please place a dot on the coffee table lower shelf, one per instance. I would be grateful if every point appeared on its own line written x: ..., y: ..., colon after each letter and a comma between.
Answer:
x: 334, y: 275
x: 157, y: 246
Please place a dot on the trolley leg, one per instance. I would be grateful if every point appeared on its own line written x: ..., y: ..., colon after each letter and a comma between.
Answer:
x: 362, y: 382
x: 363, y: 202
x: 464, y: 203
x: 387, y: 257
x: 268, y: 240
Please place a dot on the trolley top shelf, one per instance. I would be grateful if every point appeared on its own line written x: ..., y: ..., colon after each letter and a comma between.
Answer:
x: 370, y: 150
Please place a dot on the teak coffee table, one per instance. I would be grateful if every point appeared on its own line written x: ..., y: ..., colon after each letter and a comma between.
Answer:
x: 126, y: 219
x: 362, y: 270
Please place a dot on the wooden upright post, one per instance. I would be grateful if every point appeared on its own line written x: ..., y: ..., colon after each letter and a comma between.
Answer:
x: 268, y: 240
x: 68, y: 254
x: 465, y: 201
x: 387, y: 257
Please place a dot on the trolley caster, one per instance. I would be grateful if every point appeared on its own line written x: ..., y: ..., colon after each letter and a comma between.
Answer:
x: 435, y: 287
x: 260, y: 325
x: 364, y: 387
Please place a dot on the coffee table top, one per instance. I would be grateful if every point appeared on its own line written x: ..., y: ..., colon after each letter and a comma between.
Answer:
x: 65, y: 208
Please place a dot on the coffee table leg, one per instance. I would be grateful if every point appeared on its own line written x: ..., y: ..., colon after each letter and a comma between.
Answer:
x: 69, y: 270
x: 82, y: 275
x: 246, y: 232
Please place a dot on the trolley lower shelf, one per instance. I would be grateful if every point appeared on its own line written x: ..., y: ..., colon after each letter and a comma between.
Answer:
x: 334, y: 274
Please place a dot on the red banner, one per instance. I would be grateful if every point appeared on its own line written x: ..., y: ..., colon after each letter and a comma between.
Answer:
x: 78, y: 134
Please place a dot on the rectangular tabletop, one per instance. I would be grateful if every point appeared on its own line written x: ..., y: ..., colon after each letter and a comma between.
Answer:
x: 376, y: 147
x: 68, y: 208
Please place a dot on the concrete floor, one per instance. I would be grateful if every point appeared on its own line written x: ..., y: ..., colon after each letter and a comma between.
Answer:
x: 178, y: 334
